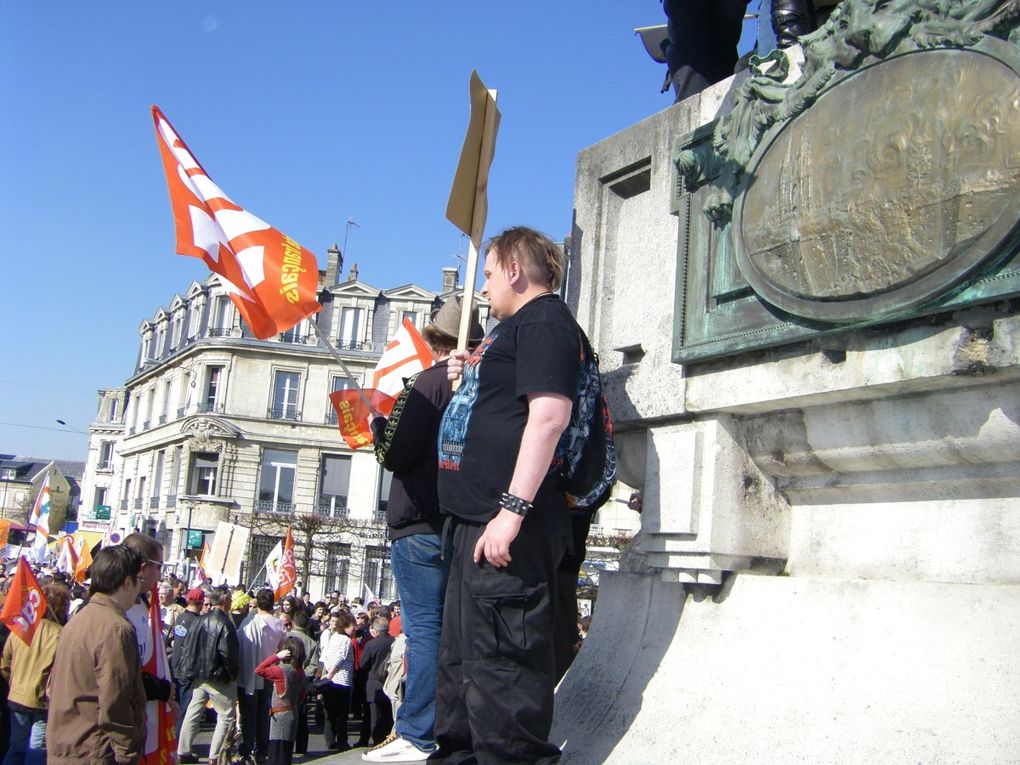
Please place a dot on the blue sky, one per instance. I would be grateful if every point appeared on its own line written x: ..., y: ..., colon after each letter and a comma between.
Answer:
x: 305, y: 113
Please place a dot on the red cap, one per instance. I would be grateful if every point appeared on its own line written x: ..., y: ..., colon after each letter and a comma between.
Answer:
x: 196, y: 595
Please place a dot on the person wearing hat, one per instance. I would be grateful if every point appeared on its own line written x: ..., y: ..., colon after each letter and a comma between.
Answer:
x: 183, y: 663
x: 406, y: 445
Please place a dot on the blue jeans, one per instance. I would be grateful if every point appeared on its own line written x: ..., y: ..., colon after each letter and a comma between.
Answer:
x: 421, y: 576
x: 28, y: 737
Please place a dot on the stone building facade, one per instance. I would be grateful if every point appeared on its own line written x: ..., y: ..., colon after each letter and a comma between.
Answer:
x: 216, y: 425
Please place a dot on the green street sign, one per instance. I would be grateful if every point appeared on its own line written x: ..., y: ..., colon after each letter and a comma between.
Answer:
x: 102, y: 512
x: 194, y: 538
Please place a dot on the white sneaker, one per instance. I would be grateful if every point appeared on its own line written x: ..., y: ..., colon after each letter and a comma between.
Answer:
x: 399, y: 750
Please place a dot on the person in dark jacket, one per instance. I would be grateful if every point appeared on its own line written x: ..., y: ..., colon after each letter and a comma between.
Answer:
x: 214, y: 642
x: 183, y: 663
x: 406, y: 445
x: 375, y: 655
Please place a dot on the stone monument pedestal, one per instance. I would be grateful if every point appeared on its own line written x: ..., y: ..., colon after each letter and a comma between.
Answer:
x: 828, y: 568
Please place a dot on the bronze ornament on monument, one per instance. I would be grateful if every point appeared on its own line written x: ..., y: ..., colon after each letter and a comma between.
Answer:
x: 878, y: 185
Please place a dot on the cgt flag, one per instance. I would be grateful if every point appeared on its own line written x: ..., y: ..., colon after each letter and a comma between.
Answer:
x: 160, y: 726
x: 286, y: 571
x: 406, y: 354
x: 270, y: 278
x: 25, y: 605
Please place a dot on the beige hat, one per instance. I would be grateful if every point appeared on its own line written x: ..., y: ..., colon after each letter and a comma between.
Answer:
x: 446, y: 320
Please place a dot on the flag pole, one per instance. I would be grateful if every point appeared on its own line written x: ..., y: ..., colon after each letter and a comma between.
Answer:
x: 329, y: 346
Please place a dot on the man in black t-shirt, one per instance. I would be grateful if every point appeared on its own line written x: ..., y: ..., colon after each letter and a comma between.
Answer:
x: 510, y: 523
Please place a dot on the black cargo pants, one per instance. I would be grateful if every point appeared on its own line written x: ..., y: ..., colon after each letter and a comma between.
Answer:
x: 494, y: 685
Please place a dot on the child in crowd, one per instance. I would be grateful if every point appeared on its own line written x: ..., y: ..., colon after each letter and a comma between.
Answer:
x: 286, y: 670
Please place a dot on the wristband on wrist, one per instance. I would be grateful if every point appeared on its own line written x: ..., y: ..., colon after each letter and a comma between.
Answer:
x: 515, y: 504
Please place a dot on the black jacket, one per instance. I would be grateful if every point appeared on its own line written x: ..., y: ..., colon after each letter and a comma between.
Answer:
x: 217, y: 656
x: 183, y: 661
x: 409, y: 450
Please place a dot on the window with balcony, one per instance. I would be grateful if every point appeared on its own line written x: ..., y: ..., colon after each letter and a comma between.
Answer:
x: 175, y: 476
x: 141, y: 493
x: 276, y: 481
x: 164, y: 406
x: 295, y: 334
x: 378, y: 574
x: 285, y: 396
x: 127, y: 494
x: 222, y: 317
x: 334, y: 484
x: 204, y: 466
x: 157, y: 478
x: 213, y: 389
x: 352, y: 327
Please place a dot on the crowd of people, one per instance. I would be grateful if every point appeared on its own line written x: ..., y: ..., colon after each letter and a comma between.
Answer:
x: 460, y: 670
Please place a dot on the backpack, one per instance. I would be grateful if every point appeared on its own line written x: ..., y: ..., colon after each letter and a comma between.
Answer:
x: 586, y: 452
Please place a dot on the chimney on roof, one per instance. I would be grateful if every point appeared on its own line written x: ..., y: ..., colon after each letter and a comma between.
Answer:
x: 450, y: 276
x: 334, y: 264
x: 352, y: 275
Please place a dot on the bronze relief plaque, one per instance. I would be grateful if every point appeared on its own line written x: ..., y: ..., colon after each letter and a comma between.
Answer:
x: 896, y: 185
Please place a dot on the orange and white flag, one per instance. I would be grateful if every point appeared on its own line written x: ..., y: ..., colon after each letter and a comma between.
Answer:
x: 286, y: 571
x: 405, y: 355
x: 81, y: 569
x: 270, y: 278
x: 25, y: 605
x: 67, y: 558
x: 160, y: 723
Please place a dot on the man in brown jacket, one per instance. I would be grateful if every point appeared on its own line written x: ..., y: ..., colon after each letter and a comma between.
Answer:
x: 97, y: 702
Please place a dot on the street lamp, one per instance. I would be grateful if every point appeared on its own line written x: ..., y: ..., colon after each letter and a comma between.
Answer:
x: 71, y: 428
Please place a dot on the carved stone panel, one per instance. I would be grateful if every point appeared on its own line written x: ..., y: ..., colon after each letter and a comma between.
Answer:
x: 894, y: 186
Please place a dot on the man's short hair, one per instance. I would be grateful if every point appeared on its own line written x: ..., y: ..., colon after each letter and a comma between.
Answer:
x: 536, y: 253
x: 381, y: 625
x: 265, y: 599
x: 113, y: 566
x: 300, y: 619
x: 219, y: 596
x: 148, y: 547
x: 165, y: 587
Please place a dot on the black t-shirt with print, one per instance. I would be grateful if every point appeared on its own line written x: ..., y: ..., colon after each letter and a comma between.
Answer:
x: 537, y: 350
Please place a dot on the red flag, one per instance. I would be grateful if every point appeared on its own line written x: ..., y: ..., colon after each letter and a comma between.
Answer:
x: 286, y: 572
x: 405, y: 355
x: 25, y: 605
x: 270, y: 278
x: 161, y: 731
x: 353, y: 415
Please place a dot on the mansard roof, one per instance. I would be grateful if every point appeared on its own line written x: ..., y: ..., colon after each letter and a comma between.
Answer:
x: 160, y: 315
x: 177, y: 303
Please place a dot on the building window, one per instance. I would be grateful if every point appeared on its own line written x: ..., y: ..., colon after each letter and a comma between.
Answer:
x: 339, y: 383
x: 203, y: 474
x: 334, y: 484
x: 276, y: 481
x: 178, y: 325
x: 193, y: 316
x: 141, y: 493
x: 412, y: 315
x: 338, y: 564
x: 213, y: 380
x: 164, y: 407
x: 160, y: 341
x: 378, y: 575
x: 285, y: 396
x: 127, y: 494
x: 157, y: 477
x: 222, y: 317
x: 295, y: 334
x: 385, y: 480
x: 105, y: 455
x: 261, y: 546
x: 175, y: 476
x: 146, y: 347
x: 352, y: 323
x: 99, y: 506
x: 114, y: 410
